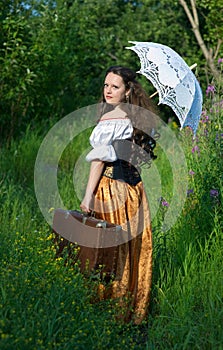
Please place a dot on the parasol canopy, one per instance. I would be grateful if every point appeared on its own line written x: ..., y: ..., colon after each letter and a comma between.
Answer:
x: 176, y: 84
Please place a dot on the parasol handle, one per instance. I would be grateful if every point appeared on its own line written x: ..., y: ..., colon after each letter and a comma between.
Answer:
x: 191, y: 67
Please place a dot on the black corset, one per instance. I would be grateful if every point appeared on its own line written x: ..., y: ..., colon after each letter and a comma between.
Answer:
x: 122, y: 170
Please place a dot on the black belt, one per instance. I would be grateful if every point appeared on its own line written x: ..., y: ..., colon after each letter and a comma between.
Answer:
x: 122, y: 170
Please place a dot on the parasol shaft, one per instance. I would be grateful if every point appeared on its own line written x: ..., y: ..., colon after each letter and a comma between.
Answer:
x: 156, y: 92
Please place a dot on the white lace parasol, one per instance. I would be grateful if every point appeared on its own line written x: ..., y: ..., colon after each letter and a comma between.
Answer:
x: 176, y: 84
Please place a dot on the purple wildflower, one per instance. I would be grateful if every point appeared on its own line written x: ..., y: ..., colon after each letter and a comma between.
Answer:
x: 218, y: 136
x: 205, y: 132
x: 214, y: 193
x: 195, y: 149
x: 205, y: 119
x: 210, y: 89
x: 189, y: 192
x: 191, y: 172
x: 165, y: 203
x: 220, y: 60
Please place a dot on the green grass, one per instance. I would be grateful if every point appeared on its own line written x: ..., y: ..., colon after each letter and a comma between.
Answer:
x: 45, y: 304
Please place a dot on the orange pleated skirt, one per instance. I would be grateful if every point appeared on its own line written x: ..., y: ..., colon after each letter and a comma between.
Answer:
x: 120, y: 203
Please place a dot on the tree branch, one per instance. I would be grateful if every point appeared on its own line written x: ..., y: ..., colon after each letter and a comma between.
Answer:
x: 195, y: 27
x: 218, y: 48
x: 193, y: 5
x: 112, y: 56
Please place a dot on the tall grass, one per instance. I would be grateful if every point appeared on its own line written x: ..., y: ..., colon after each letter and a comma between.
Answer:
x: 188, y: 272
x: 48, y: 305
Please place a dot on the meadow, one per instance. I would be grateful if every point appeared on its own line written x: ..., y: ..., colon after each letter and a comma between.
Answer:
x: 46, y: 304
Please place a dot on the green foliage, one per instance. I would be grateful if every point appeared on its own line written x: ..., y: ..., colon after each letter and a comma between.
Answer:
x: 17, y: 76
x: 187, y: 258
x: 53, y: 55
x: 45, y: 303
x: 19, y: 162
x: 212, y: 11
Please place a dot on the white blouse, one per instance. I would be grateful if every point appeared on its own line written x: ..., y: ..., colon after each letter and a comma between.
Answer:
x: 105, y: 132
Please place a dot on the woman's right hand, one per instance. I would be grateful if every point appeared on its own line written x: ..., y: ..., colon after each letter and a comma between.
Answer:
x: 86, y: 204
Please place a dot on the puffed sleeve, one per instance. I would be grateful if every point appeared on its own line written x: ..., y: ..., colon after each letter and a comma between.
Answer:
x: 104, y: 134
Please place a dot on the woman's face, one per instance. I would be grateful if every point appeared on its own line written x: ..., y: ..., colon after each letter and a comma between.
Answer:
x: 114, y: 89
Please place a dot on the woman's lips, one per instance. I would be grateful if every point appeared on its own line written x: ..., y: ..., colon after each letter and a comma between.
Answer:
x: 108, y: 97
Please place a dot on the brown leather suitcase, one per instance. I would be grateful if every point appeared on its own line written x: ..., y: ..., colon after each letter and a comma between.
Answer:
x: 96, y: 240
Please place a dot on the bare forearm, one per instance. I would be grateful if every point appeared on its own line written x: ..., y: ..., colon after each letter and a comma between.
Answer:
x: 94, y: 177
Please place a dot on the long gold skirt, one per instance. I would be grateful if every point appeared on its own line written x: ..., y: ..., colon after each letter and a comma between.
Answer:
x: 126, y: 205
x: 120, y: 203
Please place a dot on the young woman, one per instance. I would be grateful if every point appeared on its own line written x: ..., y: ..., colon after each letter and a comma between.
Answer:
x: 115, y: 191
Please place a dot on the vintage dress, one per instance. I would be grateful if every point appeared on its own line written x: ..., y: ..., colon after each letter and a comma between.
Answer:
x: 125, y: 204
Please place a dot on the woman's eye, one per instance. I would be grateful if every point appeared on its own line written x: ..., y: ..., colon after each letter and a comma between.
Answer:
x: 113, y: 86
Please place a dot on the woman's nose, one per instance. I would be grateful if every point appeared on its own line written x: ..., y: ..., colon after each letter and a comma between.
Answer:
x: 108, y: 89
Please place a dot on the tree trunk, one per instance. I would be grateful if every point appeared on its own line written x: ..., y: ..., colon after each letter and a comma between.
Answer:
x: 193, y: 18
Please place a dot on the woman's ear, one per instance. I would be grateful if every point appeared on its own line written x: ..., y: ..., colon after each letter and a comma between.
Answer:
x: 127, y: 97
x: 127, y: 93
